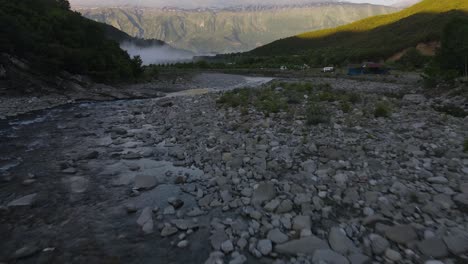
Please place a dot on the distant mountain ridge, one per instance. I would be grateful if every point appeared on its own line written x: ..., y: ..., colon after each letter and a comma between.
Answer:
x: 231, y: 29
x: 377, y: 37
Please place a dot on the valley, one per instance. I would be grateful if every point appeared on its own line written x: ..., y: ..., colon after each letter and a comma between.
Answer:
x: 116, y: 147
x: 226, y: 30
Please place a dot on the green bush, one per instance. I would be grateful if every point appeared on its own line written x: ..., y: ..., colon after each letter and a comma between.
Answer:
x: 465, y: 145
x: 346, y: 107
x: 316, y: 114
x: 382, y: 109
x: 452, y: 110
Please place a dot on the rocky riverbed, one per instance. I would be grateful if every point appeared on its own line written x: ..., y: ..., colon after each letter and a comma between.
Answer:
x: 184, y: 179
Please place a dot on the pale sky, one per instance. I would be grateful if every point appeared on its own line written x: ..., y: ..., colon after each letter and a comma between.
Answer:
x: 205, y: 3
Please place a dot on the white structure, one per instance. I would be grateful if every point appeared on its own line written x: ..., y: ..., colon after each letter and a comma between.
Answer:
x: 328, y: 69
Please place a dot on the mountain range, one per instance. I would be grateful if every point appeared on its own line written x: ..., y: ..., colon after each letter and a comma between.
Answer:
x: 377, y: 37
x: 229, y: 29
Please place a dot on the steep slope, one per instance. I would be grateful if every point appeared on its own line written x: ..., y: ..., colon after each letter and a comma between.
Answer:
x: 375, y: 37
x: 53, y: 39
x: 229, y: 29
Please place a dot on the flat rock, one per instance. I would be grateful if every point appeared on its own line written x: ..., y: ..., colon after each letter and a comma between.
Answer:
x: 265, y: 246
x: 328, y: 256
x: 306, y: 245
x: 168, y: 231
x: 359, y: 259
x: 27, y: 200
x: 433, y: 247
x: 392, y: 255
x: 146, y: 220
x: 438, y: 180
x: 25, y: 252
x: 340, y: 243
x: 401, y: 234
x: 145, y: 182
x: 78, y: 184
x: 378, y: 244
x: 457, y: 244
x: 277, y: 236
x: 264, y: 192
x: 301, y: 222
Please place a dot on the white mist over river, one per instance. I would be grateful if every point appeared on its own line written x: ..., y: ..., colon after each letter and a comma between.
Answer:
x: 157, y: 54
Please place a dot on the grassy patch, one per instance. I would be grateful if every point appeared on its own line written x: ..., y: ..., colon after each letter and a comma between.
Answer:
x: 382, y: 109
x: 316, y: 114
x: 452, y: 110
x: 303, y: 98
x: 465, y: 145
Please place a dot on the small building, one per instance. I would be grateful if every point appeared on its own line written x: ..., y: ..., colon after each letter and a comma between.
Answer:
x: 328, y: 69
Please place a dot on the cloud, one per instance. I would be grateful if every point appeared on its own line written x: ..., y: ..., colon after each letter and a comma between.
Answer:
x: 157, y: 54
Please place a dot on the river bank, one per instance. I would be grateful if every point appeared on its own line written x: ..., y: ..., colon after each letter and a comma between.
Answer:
x: 185, y: 179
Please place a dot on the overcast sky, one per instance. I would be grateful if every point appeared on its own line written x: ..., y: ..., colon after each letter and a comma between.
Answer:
x: 205, y: 3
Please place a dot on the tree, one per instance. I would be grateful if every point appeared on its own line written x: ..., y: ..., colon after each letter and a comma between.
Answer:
x: 453, y: 54
x: 64, y: 4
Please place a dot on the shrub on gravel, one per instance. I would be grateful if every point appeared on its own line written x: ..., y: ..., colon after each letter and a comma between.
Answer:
x: 316, y: 114
x: 382, y: 109
x: 465, y: 145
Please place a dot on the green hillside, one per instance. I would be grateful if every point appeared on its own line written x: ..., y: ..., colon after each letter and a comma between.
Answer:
x: 373, y: 38
x: 229, y: 30
x: 52, y: 38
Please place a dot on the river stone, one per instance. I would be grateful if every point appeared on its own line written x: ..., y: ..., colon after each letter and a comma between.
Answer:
x: 217, y: 238
x: 401, y: 234
x: 340, y: 243
x: 378, y: 244
x: 438, y: 180
x: 328, y: 256
x: 301, y: 222
x: 277, y: 236
x: 457, y: 244
x: 392, y: 255
x: 227, y: 246
x: 145, y: 182
x: 168, y: 231
x: 265, y: 246
x: 462, y: 201
x: 27, y: 200
x: 433, y: 247
x: 359, y: 259
x: 264, y: 192
x: 146, y: 220
x: 25, y: 252
x: 306, y: 245
x: 78, y: 184
x: 284, y: 207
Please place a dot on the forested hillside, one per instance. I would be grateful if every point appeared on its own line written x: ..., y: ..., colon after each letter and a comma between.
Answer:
x: 373, y: 38
x: 52, y: 38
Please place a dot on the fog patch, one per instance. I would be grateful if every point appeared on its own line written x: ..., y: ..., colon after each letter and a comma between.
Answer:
x: 157, y: 54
